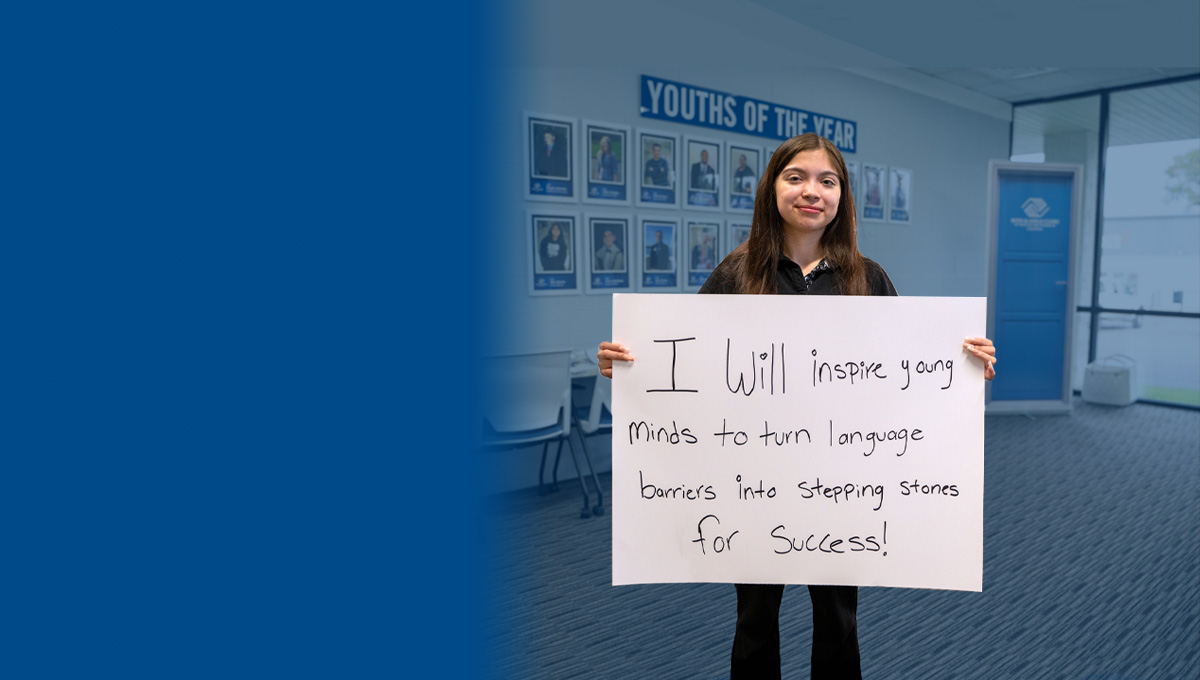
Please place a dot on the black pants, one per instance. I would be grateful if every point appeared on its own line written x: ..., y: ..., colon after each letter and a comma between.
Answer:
x: 835, y: 633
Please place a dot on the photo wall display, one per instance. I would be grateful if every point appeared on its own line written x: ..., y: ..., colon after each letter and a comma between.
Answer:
x: 744, y: 166
x: 704, y: 186
x: 604, y: 163
x: 703, y: 248
x: 553, y: 248
x: 550, y: 173
x: 659, y: 238
x: 852, y: 172
x: 874, y: 183
x: 658, y: 156
x: 899, y: 196
x: 600, y: 164
x: 611, y: 261
x: 737, y: 231
x: 606, y: 152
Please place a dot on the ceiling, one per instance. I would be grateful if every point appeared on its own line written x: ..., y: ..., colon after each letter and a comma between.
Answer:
x: 1016, y: 51
x: 1143, y: 116
x: 1021, y: 84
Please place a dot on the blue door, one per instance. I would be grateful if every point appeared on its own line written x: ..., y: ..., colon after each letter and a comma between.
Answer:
x: 1032, y: 290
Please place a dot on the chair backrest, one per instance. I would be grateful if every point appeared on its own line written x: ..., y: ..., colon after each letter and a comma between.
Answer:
x: 522, y: 392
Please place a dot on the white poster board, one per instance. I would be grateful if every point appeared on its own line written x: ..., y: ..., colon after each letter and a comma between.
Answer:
x: 798, y: 439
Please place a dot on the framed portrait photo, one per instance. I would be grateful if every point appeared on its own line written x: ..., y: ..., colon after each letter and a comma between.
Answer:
x: 737, y: 231
x: 703, y: 159
x: 744, y: 165
x: 874, y: 192
x: 768, y: 152
x: 659, y: 239
x: 553, y: 252
x: 606, y: 163
x: 852, y: 172
x: 657, y: 163
x: 610, y: 261
x: 703, y: 248
x: 550, y: 158
x: 900, y: 196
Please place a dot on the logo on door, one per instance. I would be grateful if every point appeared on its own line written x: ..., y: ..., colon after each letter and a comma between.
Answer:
x: 1035, y: 207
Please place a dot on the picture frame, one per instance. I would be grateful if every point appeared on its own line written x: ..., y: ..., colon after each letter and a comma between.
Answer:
x: 768, y: 153
x: 550, y: 172
x: 874, y: 183
x: 605, y: 173
x: 702, y: 185
x: 553, y: 259
x: 899, y: 209
x: 736, y: 232
x: 660, y: 238
x: 610, y: 267
x: 703, y: 238
x: 744, y: 165
x: 657, y: 176
x: 852, y: 178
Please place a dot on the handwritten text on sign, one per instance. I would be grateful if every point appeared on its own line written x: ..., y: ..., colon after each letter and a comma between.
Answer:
x: 798, y: 439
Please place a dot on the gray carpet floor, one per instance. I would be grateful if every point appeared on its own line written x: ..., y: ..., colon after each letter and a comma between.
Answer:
x: 1091, y: 572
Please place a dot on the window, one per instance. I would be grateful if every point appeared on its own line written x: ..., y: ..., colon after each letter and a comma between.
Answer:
x: 1066, y: 131
x: 1141, y: 304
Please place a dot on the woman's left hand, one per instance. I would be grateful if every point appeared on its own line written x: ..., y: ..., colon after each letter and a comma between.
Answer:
x: 985, y: 350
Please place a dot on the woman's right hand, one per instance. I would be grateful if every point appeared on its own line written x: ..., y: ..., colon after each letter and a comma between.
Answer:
x: 610, y: 352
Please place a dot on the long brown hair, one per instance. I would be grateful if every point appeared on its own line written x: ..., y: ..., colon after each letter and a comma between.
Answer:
x: 756, y: 260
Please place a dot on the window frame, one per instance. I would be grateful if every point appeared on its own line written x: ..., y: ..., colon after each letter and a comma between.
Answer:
x: 1095, y: 309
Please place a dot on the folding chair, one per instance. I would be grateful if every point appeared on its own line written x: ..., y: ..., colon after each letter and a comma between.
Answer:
x: 526, y: 399
x: 592, y: 418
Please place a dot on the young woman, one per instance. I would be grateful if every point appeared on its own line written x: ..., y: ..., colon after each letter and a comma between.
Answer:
x: 606, y: 161
x: 803, y: 241
x: 553, y: 250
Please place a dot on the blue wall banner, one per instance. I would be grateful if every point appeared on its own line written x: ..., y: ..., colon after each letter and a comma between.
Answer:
x: 692, y: 105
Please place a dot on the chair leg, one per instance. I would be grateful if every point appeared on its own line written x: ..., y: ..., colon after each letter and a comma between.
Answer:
x: 586, y: 512
x: 542, y: 489
x: 557, y: 456
x: 599, y: 508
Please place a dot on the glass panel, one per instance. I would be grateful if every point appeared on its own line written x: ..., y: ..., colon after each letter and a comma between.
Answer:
x: 1164, y: 351
x: 1079, y: 348
x: 1150, y: 243
x: 1066, y: 131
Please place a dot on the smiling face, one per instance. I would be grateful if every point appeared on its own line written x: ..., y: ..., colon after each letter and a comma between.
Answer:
x: 808, y: 192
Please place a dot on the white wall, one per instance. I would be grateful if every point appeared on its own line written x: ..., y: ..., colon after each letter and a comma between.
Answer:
x: 584, y: 62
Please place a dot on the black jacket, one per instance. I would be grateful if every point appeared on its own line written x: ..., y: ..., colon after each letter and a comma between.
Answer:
x: 822, y: 280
